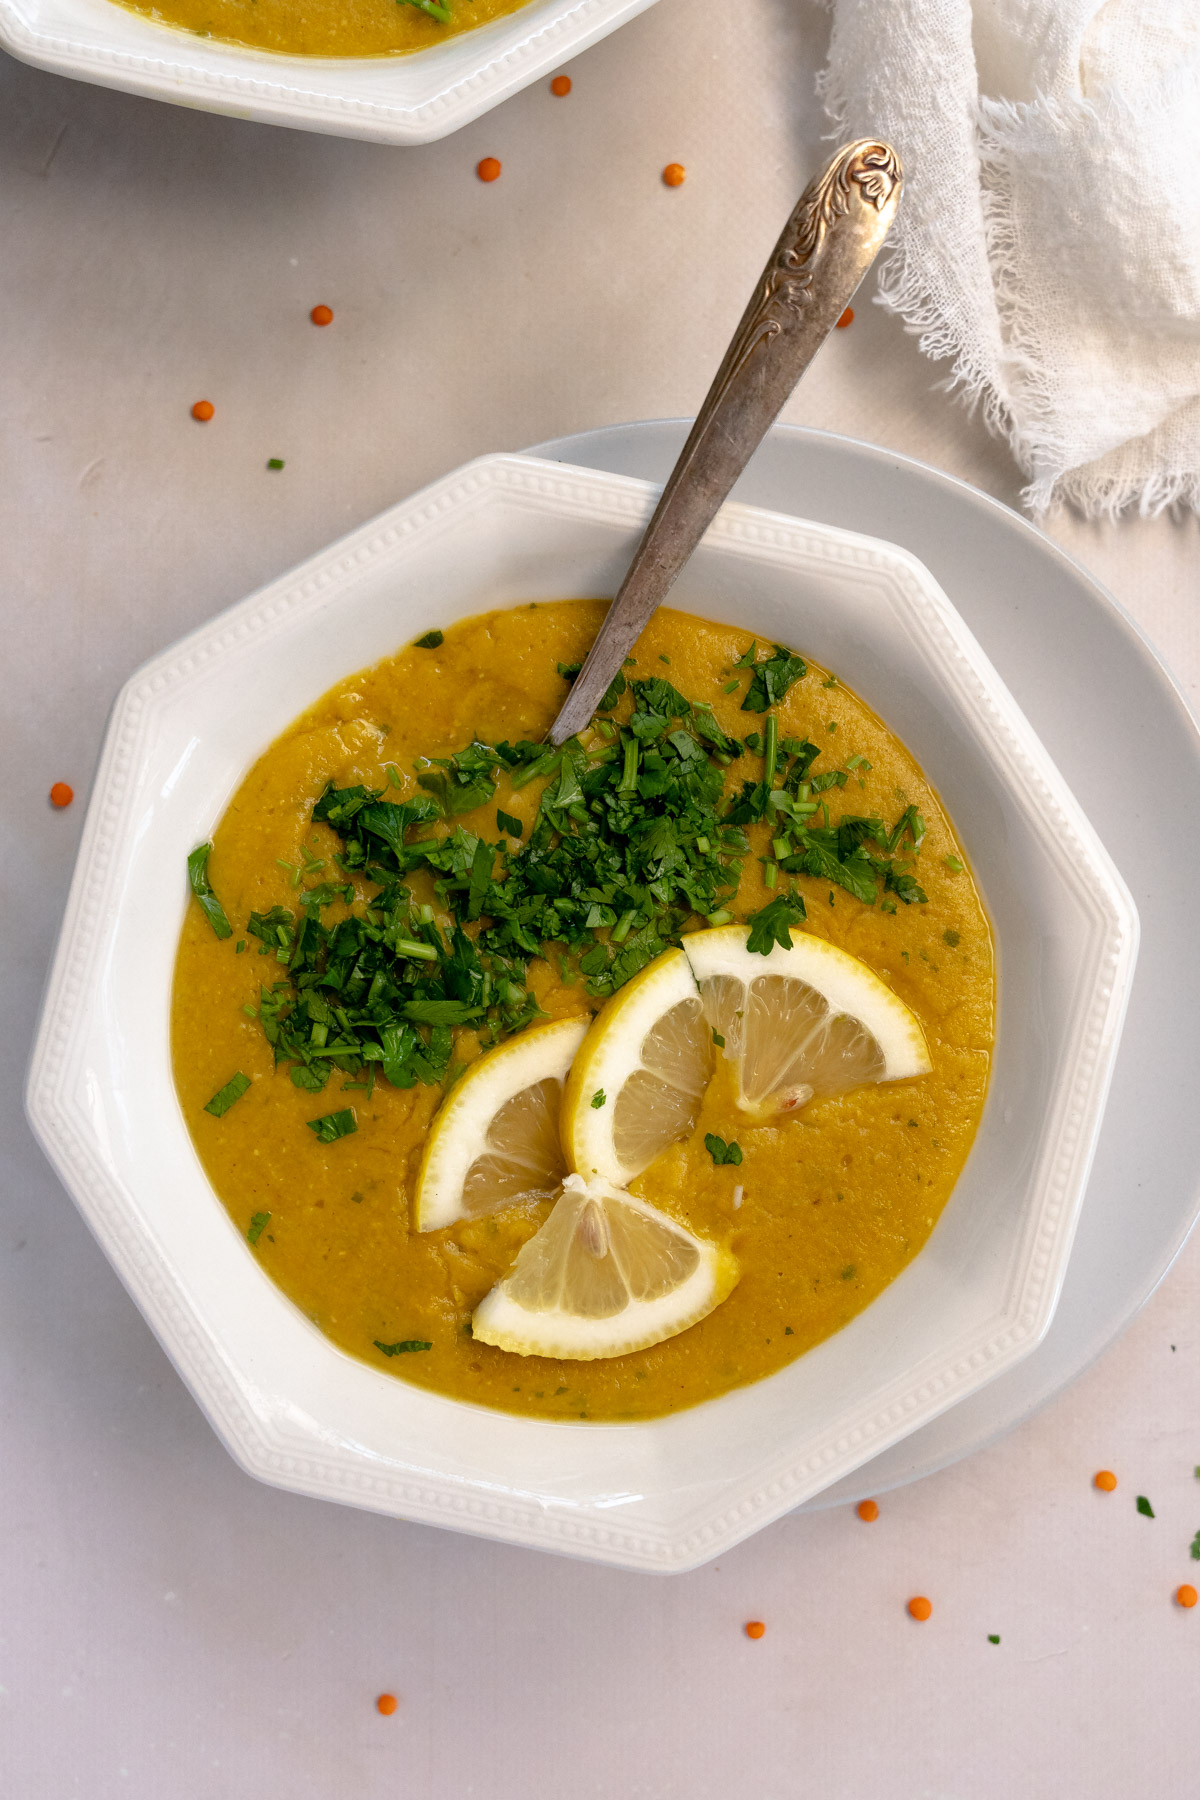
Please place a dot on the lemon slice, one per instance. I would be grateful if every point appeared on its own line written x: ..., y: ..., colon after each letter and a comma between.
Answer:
x: 804, y: 1023
x: 606, y: 1275
x: 639, y: 1078
x: 495, y: 1139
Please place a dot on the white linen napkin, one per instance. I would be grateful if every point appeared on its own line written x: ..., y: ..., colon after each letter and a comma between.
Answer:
x: 1049, y: 237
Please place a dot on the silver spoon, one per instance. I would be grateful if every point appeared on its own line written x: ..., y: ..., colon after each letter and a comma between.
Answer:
x: 827, y: 246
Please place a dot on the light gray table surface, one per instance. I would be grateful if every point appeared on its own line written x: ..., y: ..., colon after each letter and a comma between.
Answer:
x: 169, y: 1630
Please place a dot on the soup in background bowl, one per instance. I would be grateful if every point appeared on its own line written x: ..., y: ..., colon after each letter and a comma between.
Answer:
x: 327, y: 27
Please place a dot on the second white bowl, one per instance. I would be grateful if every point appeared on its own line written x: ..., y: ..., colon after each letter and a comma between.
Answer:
x: 391, y: 99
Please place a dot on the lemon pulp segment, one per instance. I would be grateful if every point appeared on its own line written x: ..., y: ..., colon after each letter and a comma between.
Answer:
x: 495, y: 1140
x: 606, y: 1275
x: 809, y: 1022
x: 639, y: 1078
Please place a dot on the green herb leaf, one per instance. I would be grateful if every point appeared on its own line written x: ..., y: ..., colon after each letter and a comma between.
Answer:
x: 772, y: 679
x: 258, y: 1225
x: 404, y: 1348
x: 214, y: 912
x: 275, y: 462
x: 598, y: 1099
x: 432, y: 640
x: 993, y: 1638
x: 224, y: 1098
x: 720, y: 1151
x: 1144, y: 1507
x: 717, y: 1039
x: 334, y: 1125
x: 506, y: 822
x: 1195, y: 1548
x: 441, y: 1012
x: 772, y: 923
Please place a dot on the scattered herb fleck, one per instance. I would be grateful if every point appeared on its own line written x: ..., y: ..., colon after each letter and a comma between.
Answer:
x: 214, y: 912
x: 432, y: 640
x: 993, y: 1638
x: 720, y: 1151
x: 224, y: 1098
x: 598, y: 1099
x: 951, y: 938
x: 1144, y: 1507
x: 334, y: 1125
x: 403, y: 1347
x: 258, y: 1225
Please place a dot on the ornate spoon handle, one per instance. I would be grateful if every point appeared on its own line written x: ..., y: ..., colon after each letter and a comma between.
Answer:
x: 827, y: 246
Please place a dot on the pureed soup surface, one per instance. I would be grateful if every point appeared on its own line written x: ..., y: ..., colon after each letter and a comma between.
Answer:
x: 325, y: 27
x: 835, y: 1201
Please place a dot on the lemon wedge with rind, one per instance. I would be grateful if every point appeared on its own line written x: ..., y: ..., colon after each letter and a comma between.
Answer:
x: 606, y: 1275
x: 495, y: 1140
x: 805, y: 1023
x: 640, y: 1076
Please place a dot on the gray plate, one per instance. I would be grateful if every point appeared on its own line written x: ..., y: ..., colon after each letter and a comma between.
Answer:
x: 1116, y: 725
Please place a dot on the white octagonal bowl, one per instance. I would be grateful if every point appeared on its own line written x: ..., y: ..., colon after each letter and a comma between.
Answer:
x: 663, y: 1494
x: 409, y: 99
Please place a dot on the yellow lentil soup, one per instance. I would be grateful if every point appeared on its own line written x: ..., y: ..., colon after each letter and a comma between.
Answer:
x: 327, y: 27
x: 823, y: 1211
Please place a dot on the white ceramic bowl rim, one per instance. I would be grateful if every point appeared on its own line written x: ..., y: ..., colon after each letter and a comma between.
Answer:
x: 669, y: 1493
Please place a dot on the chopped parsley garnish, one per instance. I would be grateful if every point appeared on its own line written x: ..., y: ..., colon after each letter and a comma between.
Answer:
x: 433, y: 640
x: 224, y: 1098
x: 1144, y: 1507
x: 403, y: 1347
x: 334, y: 1125
x: 214, y: 912
x: 993, y: 1638
x: 954, y: 864
x: 718, y: 1040
x: 1195, y: 1548
x: 638, y: 833
x: 720, y: 1151
x: 598, y: 1099
x: 258, y: 1225
x: 275, y: 462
